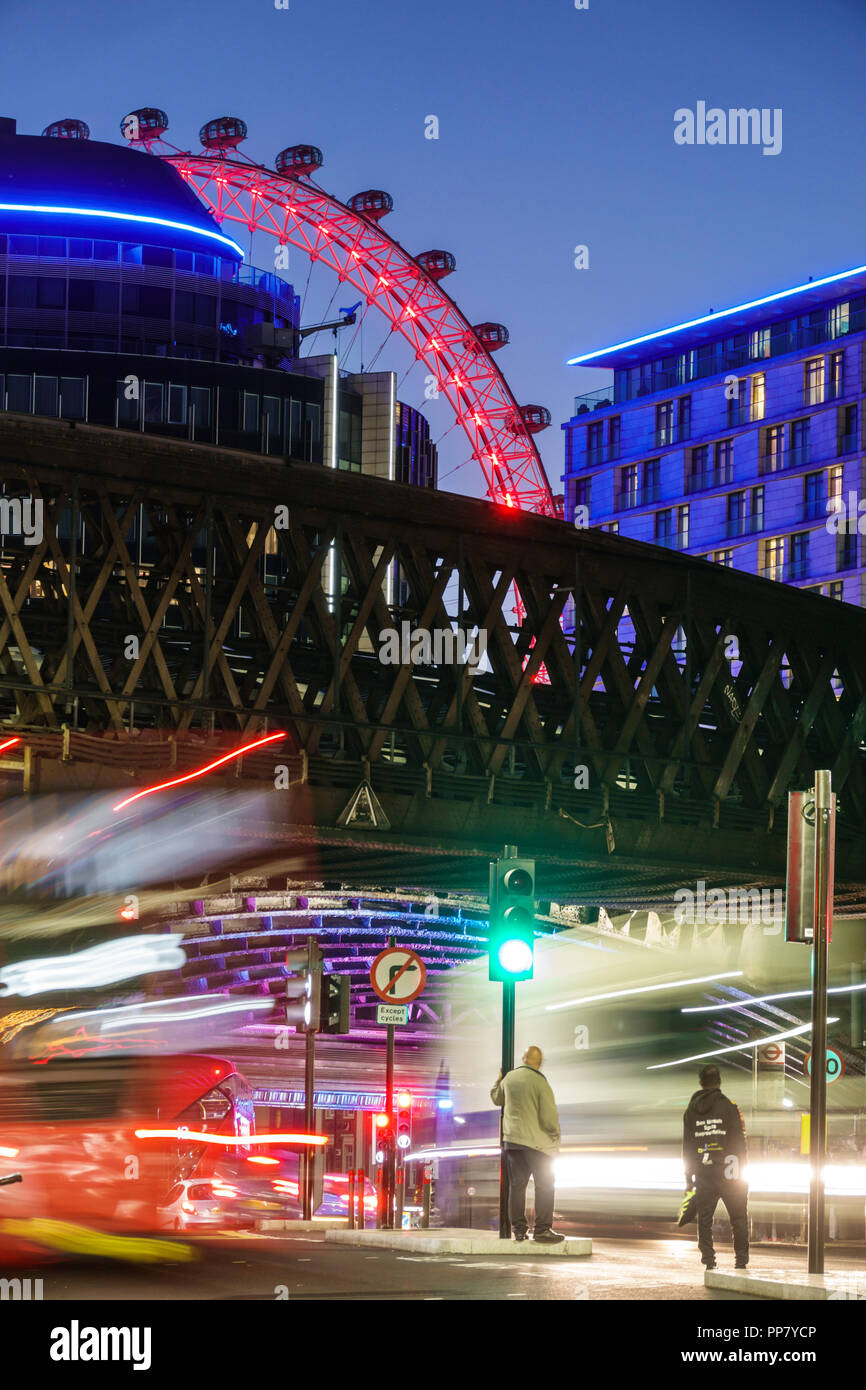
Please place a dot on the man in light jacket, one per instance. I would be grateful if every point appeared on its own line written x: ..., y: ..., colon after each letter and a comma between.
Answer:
x: 530, y: 1139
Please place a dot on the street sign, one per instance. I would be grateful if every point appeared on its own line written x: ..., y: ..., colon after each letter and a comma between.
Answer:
x: 398, y: 975
x: 392, y: 1013
x: 835, y: 1065
x: 771, y: 1057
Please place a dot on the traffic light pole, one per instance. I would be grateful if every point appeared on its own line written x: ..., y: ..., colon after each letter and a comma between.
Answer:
x: 509, y: 989
x: 309, y: 1093
x: 390, y: 1173
x: 818, y: 1080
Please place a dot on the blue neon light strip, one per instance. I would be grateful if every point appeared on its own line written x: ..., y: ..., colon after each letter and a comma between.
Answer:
x: 125, y: 217
x: 711, y: 318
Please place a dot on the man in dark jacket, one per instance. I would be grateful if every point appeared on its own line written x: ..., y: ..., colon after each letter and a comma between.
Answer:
x: 714, y: 1157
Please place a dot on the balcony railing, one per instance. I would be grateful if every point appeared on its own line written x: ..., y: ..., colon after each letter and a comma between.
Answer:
x: 714, y: 477
x: 675, y: 540
x: 798, y: 455
x: 786, y: 571
x: 814, y: 509
x: 605, y: 453
x: 773, y: 462
x: 593, y: 400
x: 638, y: 497
x: 744, y: 525
x: 847, y: 443
x: 671, y: 434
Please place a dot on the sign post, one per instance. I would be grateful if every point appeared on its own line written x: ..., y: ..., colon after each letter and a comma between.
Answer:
x: 398, y: 976
x: 809, y: 917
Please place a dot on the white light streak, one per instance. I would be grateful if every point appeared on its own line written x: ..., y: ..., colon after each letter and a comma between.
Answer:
x: 740, y: 1047
x: 644, y: 989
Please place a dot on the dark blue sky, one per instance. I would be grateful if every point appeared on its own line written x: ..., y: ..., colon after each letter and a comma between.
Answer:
x: 556, y: 128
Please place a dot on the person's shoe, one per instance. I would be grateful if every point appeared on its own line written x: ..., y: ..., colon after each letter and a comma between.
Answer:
x: 709, y: 1264
x: 741, y: 1264
x: 548, y: 1237
x: 519, y: 1235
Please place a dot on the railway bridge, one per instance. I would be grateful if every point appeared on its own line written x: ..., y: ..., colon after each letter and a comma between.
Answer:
x: 636, y: 721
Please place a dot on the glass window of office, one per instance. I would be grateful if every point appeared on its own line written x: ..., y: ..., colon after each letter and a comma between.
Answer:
x: 684, y: 417
x: 837, y: 375
x: 594, y: 437
x: 651, y: 476
x: 699, y: 463
x: 664, y: 423
x: 813, y: 494
x: 628, y: 483
x: 846, y: 550
x: 759, y: 396
x: 774, y: 557
x: 250, y: 413
x: 839, y: 319
x: 759, y: 343
x: 128, y: 403
x: 614, y: 431
x: 814, y: 381
x: 177, y: 405
x: 583, y: 493
x: 19, y: 394
x: 799, y: 442
x: 736, y: 508
x: 73, y: 397
x: 664, y: 524
x: 683, y: 517
x: 756, y: 504
x: 724, y: 557
x: 46, y: 396
x: 774, y: 446
x: 154, y: 402
x: 799, y: 555
x: 724, y: 460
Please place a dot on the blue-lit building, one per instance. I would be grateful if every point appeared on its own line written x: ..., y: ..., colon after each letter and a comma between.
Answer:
x: 124, y: 304
x: 735, y: 437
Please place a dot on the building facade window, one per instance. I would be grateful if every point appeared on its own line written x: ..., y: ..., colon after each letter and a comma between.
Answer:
x: 813, y: 371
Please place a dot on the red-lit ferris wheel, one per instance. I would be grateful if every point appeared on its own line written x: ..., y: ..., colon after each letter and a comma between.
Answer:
x: 287, y: 204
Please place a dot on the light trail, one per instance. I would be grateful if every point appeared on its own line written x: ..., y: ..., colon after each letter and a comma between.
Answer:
x: 766, y: 999
x: 644, y: 989
x: 200, y: 772
x: 739, y: 1047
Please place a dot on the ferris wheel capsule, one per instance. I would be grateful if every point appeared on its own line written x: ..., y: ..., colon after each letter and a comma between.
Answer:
x: 225, y: 133
x: 372, y: 204
x: 148, y: 123
x: 68, y: 130
x: 437, y: 264
x: 298, y: 160
x: 535, y: 417
x: 492, y: 336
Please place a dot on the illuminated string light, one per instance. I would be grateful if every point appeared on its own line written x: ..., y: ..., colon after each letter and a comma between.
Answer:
x: 644, y: 989
x: 200, y: 772
x: 124, y: 217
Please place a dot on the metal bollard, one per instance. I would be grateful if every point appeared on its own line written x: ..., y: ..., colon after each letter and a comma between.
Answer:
x: 398, y: 1219
x: 351, y: 1199
x: 426, y: 1194
x: 362, y: 1186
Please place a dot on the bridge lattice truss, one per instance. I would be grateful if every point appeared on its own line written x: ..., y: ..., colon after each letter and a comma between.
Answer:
x: 669, y: 725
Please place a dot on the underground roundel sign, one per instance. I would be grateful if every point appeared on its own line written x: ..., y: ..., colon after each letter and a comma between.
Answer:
x: 398, y: 975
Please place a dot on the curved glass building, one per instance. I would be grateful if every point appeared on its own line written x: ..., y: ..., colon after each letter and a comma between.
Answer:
x: 122, y: 302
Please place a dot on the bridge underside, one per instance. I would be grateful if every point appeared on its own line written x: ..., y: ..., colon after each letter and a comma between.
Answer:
x: 610, y: 732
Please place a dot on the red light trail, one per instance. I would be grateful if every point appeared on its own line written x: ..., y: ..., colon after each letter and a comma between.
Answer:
x: 199, y: 772
x: 10, y: 742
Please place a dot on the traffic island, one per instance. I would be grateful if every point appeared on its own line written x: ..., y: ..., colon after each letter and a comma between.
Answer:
x: 790, y: 1285
x: 455, y: 1241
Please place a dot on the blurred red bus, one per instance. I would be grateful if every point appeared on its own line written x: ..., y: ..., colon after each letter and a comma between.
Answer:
x: 77, y: 1129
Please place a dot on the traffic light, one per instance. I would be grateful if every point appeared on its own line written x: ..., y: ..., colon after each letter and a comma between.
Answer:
x: 302, y: 1001
x: 335, y: 1000
x: 383, y: 1136
x: 512, y: 919
x: 404, y: 1120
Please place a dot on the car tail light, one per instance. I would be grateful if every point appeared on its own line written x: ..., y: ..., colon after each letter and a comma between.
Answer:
x: 187, y: 1206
